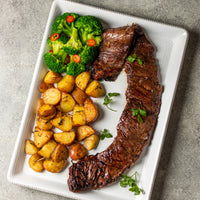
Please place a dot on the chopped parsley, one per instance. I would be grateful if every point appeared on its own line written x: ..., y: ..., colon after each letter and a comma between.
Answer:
x: 135, y: 58
x: 108, y: 99
x: 105, y: 134
x: 138, y: 113
x: 131, y: 181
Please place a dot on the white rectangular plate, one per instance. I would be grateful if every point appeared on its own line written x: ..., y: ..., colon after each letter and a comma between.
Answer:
x: 170, y: 43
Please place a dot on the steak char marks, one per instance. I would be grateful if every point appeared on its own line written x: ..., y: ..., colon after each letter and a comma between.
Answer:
x: 112, y: 53
x: 143, y: 91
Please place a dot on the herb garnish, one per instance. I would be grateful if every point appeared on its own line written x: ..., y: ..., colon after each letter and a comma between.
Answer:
x: 138, y: 112
x: 131, y: 181
x: 134, y: 58
x: 108, y: 99
x: 105, y: 134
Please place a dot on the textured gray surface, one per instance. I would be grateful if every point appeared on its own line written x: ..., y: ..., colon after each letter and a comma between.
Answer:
x: 22, y: 24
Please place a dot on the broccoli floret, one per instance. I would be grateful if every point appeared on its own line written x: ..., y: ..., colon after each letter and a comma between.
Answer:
x: 54, y: 63
x: 89, y: 28
x: 75, y: 69
x: 58, y: 44
x: 88, y: 55
x: 74, y: 45
x: 60, y: 24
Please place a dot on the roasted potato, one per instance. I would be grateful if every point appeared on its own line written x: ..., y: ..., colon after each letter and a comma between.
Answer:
x: 60, y: 153
x: 66, y: 84
x: 41, y: 103
x: 77, y: 151
x: 91, y: 111
x: 64, y: 122
x: 52, y: 77
x: 54, y: 167
x: 65, y: 138
x: 82, y: 80
x: 36, y: 163
x: 67, y: 102
x: 30, y: 147
x: 95, y: 89
x: 46, y: 112
x: 52, y: 96
x: 47, y: 149
x: 78, y: 117
x: 84, y: 131
x: 91, y: 142
x: 44, y: 86
x: 79, y: 95
x: 41, y: 137
x: 43, y: 123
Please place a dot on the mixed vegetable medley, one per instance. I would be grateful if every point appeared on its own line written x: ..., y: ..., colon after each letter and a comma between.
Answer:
x: 73, y: 44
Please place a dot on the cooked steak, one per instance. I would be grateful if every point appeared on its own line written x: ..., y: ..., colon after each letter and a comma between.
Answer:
x: 143, y: 92
x: 112, y: 53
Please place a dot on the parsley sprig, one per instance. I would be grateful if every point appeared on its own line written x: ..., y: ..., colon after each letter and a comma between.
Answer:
x: 105, y: 134
x: 131, y: 181
x: 108, y: 99
x: 138, y: 113
x: 134, y: 58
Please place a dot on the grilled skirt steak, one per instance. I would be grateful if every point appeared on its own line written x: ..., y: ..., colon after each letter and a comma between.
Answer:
x: 112, y: 53
x: 143, y: 91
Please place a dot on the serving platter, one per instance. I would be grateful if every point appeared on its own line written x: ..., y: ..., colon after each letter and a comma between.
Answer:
x: 170, y: 43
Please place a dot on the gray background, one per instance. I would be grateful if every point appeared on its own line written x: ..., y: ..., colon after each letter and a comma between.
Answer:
x: 22, y: 25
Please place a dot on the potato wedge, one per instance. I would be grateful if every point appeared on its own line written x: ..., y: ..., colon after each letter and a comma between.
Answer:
x: 47, y: 149
x: 54, y: 167
x: 52, y: 77
x: 82, y: 80
x: 41, y: 137
x: 65, y: 138
x: 79, y: 95
x: 77, y: 151
x: 46, y: 112
x: 60, y: 153
x: 41, y: 103
x: 64, y: 122
x: 52, y: 96
x: 36, y: 163
x: 95, y: 89
x: 67, y: 102
x: 91, y: 111
x: 78, y: 117
x: 66, y: 84
x: 83, y: 132
x: 30, y: 147
x: 91, y: 142
x: 43, y: 123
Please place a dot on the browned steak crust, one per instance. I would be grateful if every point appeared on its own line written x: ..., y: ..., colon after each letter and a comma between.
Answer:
x: 143, y: 92
x: 112, y: 53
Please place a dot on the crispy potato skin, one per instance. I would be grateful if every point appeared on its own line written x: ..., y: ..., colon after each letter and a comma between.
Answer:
x: 43, y: 123
x: 66, y: 84
x: 46, y: 111
x: 91, y: 111
x: 60, y: 153
x: 78, y: 116
x: 52, y: 77
x: 54, y: 167
x: 82, y: 80
x: 84, y: 131
x: 77, y: 151
x: 30, y: 147
x: 79, y: 95
x: 35, y: 163
x: 67, y: 102
x: 65, y: 138
x: 64, y: 122
x: 47, y: 149
x: 52, y: 96
x: 91, y: 142
x: 41, y: 137
x: 95, y: 89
